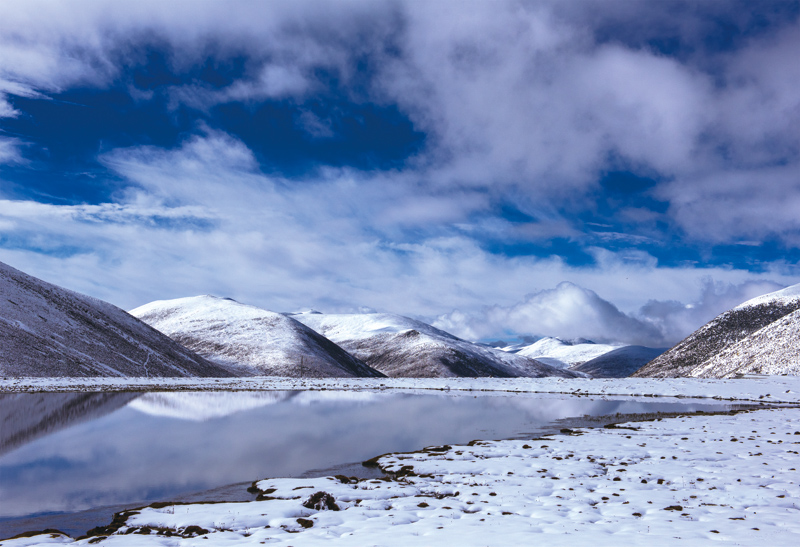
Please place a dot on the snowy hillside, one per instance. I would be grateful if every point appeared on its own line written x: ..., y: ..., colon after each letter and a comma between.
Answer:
x: 720, y: 338
x: 620, y: 362
x: 562, y: 354
x: 46, y: 330
x: 250, y: 340
x: 402, y: 347
x: 774, y: 349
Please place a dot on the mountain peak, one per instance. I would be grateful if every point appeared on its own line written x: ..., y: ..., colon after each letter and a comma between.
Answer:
x: 786, y: 295
x: 249, y: 339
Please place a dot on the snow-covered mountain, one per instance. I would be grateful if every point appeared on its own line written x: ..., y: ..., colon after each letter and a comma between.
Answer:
x: 758, y: 335
x: 250, y: 340
x: 564, y: 354
x: 46, y: 330
x: 774, y: 349
x: 619, y: 363
x: 403, y: 347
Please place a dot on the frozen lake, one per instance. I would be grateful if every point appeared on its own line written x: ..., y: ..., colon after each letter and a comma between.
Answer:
x: 64, y: 455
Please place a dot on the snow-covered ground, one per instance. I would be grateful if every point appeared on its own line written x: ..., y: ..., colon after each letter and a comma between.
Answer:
x: 690, y: 480
x: 766, y: 389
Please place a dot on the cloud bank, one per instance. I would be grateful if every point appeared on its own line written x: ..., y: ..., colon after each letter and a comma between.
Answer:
x: 571, y: 312
x: 527, y: 111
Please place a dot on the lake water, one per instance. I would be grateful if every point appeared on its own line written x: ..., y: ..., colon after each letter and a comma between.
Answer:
x: 68, y: 461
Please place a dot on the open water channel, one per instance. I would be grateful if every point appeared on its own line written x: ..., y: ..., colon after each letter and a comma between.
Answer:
x: 69, y: 460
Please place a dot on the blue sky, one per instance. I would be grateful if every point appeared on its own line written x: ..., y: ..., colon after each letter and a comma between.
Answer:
x: 618, y: 170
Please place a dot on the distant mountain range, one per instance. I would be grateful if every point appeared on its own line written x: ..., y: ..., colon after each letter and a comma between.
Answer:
x: 399, y: 346
x: 46, y: 330
x: 564, y: 354
x: 757, y: 337
x: 586, y: 357
x: 618, y: 363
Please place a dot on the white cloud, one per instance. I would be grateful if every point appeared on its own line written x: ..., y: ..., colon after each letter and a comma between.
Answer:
x: 734, y: 205
x: 10, y: 151
x: 200, y: 219
x: 6, y: 110
x: 569, y: 312
x: 513, y: 96
x: 676, y: 320
x: 520, y: 103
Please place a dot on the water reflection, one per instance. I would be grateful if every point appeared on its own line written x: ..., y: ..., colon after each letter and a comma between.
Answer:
x: 77, y: 451
x: 200, y: 407
x: 25, y: 417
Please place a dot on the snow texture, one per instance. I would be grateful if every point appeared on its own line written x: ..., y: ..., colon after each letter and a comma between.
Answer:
x: 686, y: 480
x: 772, y: 389
x: 250, y: 340
x: 618, y: 363
x: 751, y: 337
x: 48, y: 331
x: 788, y: 295
x: 774, y: 349
x: 402, y: 347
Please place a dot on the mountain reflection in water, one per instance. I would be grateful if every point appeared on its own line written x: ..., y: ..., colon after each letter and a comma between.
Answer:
x: 69, y: 452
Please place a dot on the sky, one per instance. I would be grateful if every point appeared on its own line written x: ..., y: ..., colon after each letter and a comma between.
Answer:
x: 617, y: 170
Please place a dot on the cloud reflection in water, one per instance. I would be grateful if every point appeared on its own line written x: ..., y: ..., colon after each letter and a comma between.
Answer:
x: 163, y: 445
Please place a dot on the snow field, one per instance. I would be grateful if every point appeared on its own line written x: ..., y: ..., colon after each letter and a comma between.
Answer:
x: 690, y: 480
x: 767, y: 389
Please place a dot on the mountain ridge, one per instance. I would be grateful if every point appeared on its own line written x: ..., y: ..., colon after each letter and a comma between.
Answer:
x: 250, y: 340
x: 400, y: 346
x: 720, y: 334
x: 50, y: 331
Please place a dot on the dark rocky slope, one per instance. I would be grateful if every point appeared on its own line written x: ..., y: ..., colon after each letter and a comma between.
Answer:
x: 48, y: 331
x: 721, y: 333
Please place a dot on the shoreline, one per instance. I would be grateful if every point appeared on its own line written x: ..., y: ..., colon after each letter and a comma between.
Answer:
x: 693, y: 478
x: 774, y: 389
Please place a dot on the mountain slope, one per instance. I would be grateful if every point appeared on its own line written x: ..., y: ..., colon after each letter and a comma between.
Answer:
x: 562, y: 354
x: 250, y: 340
x: 402, y: 347
x: 722, y: 332
x: 618, y: 363
x: 774, y: 349
x: 46, y: 330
